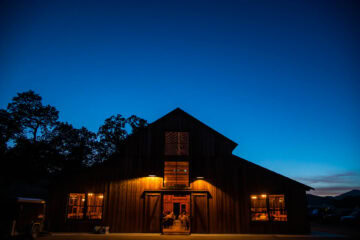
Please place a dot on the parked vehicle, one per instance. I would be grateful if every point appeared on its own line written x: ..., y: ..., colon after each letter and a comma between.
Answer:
x: 352, y: 218
x: 25, y: 217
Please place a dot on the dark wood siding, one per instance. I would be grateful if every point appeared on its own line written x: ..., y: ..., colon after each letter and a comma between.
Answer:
x: 229, y: 181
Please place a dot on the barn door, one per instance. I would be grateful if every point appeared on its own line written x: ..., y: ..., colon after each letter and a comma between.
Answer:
x: 200, y: 217
x: 152, y: 213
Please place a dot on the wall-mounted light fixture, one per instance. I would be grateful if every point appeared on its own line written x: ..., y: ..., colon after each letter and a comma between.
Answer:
x: 199, y: 177
x: 152, y: 175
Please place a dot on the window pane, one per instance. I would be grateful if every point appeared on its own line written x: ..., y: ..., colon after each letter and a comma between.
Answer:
x: 95, y: 205
x: 258, y: 208
x: 76, y: 204
x: 277, y: 208
x: 176, y: 143
x: 176, y: 174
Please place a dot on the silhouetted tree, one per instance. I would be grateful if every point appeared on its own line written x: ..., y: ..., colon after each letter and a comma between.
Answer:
x: 136, y: 123
x: 112, y: 133
x: 27, y: 108
x: 29, y: 160
x: 77, y: 146
x: 9, y: 128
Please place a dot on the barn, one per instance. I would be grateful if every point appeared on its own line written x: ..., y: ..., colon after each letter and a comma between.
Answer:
x: 178, y: 176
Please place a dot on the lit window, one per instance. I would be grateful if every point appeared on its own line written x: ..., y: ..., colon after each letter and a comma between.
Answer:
x: 78, y: 202
x: 176, y: 143
x: 258, y: 208
x: 263, y: 206
x: 176, y: 174
x: 76, y: 205
x: 277, y: 208
x: 95, y: 205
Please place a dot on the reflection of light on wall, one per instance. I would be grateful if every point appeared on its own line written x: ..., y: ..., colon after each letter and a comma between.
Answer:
x: 202, y: 184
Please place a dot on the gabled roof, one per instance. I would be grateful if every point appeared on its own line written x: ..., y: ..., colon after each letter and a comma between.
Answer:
x: 232, y: 143
x: 272, y: 172
x: 180, y: 111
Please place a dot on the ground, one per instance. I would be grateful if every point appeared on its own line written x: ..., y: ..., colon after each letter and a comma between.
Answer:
x: 319, y: 232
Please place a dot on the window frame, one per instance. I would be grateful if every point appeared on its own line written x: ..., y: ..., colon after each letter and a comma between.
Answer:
x: 268, y: 209
x: 188, y: 174
x: 85, y: 208
x: 68, y: 206
x: 187, y: 154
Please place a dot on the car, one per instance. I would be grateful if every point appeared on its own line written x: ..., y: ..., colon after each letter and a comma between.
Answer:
x: 352, y: 218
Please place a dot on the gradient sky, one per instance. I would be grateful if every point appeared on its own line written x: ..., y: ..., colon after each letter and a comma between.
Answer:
x: 280, y: 78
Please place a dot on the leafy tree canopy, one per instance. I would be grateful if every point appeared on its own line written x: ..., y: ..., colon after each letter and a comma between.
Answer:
x: 27, y: 108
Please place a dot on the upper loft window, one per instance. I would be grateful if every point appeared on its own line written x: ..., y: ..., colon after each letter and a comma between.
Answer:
x: 176, y: 143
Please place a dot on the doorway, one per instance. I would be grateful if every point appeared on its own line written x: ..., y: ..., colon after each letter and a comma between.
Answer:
x: 176, y: 214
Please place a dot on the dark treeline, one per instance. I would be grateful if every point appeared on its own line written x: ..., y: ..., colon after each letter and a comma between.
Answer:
x: 35, y: 145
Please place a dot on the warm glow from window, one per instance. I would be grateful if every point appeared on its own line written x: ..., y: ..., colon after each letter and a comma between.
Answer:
x: 268, y: 207
x: 259, y: 210
x: 95, y: 205
x: 277, y: 208
x: 76, y: 203
x: 176, y: 174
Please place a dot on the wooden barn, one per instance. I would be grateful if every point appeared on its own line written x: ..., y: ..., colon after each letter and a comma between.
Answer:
x: 179, y: 176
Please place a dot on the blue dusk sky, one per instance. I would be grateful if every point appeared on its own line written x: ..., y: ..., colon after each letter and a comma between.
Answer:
x: 280, y: 78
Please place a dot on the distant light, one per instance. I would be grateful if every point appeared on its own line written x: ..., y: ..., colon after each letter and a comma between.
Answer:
x: 253, y: 197
x: 200, y: 177
x: 263, y: 195
x: 101, y: 196
x: 152, y: 175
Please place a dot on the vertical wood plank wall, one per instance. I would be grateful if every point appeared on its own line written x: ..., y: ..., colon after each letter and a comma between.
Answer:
x: 229, y: 180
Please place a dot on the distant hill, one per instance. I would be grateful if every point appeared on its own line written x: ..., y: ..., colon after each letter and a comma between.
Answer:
x: 318, y: 201
x: 352, y: 193
x: 349, y: 199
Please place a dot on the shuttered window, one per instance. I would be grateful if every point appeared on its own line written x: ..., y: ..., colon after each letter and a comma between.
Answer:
x: 176, y: 174
x: 176, y: 143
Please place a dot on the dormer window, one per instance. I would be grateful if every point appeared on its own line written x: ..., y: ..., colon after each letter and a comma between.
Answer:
x: 176, y: 143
